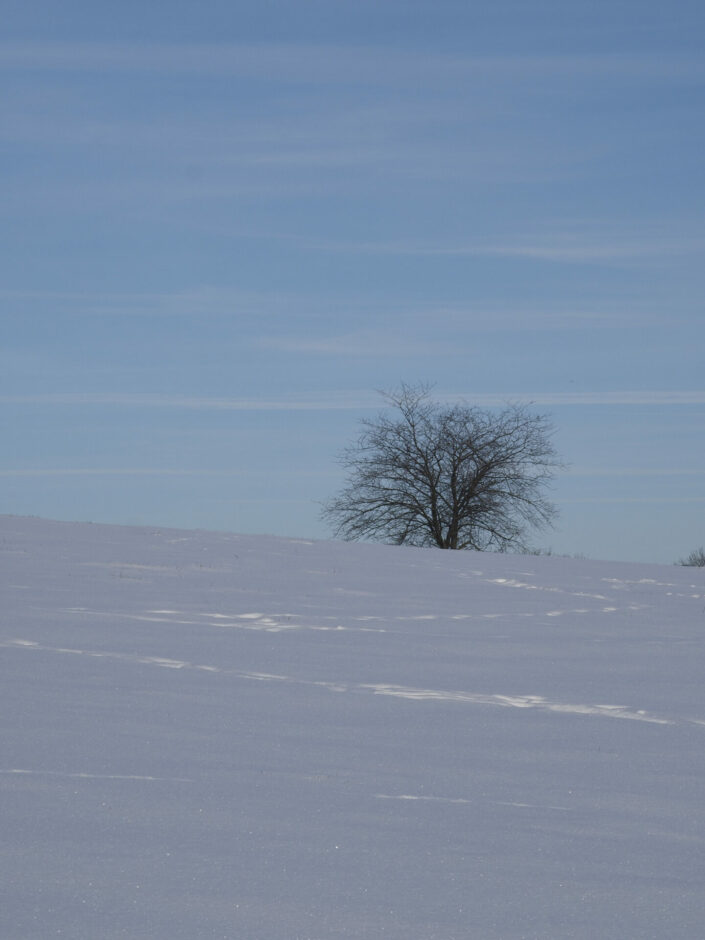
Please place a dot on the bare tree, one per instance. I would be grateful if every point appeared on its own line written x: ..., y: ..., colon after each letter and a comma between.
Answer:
x: 696, y: 559
x: 448, y: 476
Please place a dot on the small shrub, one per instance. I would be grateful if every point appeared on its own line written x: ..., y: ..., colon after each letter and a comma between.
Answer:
x: 696, y: 559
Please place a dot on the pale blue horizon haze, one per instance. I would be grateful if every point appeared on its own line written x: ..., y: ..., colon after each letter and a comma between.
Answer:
x: 226, y: 225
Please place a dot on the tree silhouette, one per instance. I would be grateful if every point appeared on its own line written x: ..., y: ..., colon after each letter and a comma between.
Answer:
x: 451, y: 476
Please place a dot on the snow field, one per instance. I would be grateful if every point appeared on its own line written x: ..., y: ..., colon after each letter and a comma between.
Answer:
x: 218, y: 736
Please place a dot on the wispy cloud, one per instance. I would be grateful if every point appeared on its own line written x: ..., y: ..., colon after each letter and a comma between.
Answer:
x: 345, y: 108
x: 394, y: 320
x: 197, y: 302
x: 633, y: 499
x: 305, y: 61
x: 373, y: 343
x: 563, y: 245
x: 635, y: 472
x: 429, y: 318
x: 325, y: 401
x: 354, y: 399
x: 311, y: 145
x: 640, y: 397
x: 114, y: 471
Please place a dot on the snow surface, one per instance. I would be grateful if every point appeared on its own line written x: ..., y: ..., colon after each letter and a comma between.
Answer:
x: 215, y: 736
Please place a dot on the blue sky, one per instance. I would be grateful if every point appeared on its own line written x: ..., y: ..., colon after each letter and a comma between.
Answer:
x: 226, y: 225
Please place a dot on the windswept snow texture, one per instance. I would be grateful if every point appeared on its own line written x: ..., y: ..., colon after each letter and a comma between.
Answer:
x: 213, y: 736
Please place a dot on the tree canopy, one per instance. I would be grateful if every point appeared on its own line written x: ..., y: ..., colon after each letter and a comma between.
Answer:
x: 452, y: 476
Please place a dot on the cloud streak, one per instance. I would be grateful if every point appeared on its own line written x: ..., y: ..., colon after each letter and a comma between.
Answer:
x: 312, y: 142
x: 619, y: 500
x: 354, y: 399
x: 634, y: 472
x: 372, y: 343
x: 326, y: 401
x: 559, y: 399
x: 306, y: 61
x: 315, y: 308
x: 560, y: 246
x: 114, y: 471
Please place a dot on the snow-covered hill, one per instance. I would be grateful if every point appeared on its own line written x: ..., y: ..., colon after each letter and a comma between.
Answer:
x: 215, y: 736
